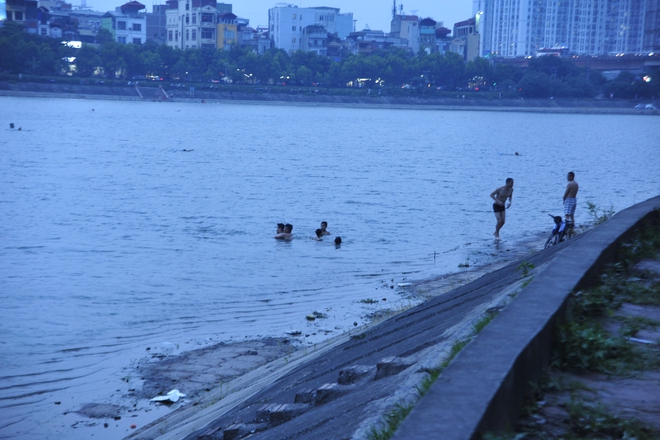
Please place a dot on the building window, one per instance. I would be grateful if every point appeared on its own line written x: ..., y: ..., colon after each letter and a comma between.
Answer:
x: 194, y: 18
x: 44, y: 31
x: 207, y: 18
x: 18, y: 15
x: 169, y: 35
x: 294, y: 16
x: 121, y: 40
x: 187, y: 35
x: 187, y: 6
x: 194, y: 34
x: 121, y: 25
x: 293, y: 28
x: 229, y: 35
x: 293, y: 40
x: 187, y: 18
x: 137, y: 41
x: 137, y: 27
x: 207, y: 33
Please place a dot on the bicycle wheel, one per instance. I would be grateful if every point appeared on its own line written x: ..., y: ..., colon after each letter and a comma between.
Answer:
x: 552, y: 241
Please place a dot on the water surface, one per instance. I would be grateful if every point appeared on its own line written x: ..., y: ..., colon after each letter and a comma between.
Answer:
x: 114, y: 239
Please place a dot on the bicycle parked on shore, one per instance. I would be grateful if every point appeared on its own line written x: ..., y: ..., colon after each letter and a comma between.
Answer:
x: 560, y: 232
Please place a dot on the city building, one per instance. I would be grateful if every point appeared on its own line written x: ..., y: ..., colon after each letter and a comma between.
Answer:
x: 427, y: 35
x: 585, y: 27
x: 157, y: 24
x: 406, y: 27
x: 442, y: 39
x: 287, y: 24
x: 368, y: 41
x: 469, y: 39
x: 127, y: 24
x: 192, y: 23
x: 315, y: 39
x: 227, y: 30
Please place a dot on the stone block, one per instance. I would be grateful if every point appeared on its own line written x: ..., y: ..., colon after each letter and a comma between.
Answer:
x: 306, y: 395
x: 390, y: 366
x: 278, y: 413
x: 232, y: 432
x: 330, y: 391
x: 354, y: 374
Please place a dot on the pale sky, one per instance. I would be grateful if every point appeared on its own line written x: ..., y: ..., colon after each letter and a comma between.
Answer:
x: 376, y: 14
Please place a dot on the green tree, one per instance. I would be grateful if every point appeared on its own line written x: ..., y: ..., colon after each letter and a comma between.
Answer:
x: 87, y: 60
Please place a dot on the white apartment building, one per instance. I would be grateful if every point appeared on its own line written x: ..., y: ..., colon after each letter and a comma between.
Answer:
x: 191, y: 23
x: 514, y: 28
x: 127, y: 24
x: 287, y: 23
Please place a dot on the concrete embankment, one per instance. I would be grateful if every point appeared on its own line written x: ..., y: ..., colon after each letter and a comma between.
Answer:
x: 483, y: 388
x: 325, y: 97
x: 347, y: 388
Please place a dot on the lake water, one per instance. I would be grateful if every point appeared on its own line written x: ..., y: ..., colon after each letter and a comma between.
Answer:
x: 114, y: 239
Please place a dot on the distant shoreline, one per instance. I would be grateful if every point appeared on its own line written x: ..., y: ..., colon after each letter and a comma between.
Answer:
x: 152, y: 94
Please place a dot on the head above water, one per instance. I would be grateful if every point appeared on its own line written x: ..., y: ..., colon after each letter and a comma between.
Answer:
x: 319, y: 233
x: 337, y: 240
x: 280, y: 227
x: 288, y: 228
x: 324, y: 225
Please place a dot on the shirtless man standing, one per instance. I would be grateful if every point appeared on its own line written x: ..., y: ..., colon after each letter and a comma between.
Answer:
x: 499, y: 196
x: 570, y: 200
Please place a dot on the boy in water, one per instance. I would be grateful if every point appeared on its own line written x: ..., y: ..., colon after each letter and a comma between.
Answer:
x: 286, y: 235
x: 324, y: 227
x: 570, y: 198
x: 499, y: 196
x: 319, y: 235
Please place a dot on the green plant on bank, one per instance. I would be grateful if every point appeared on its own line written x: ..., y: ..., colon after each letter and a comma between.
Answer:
x: 525, y: 267
x: 598, y: 215
x: 645, y: 244
x: 631, y: 325
x: 483, y: 322
x: 395, y: 417
x: 582, y: 344
x: 392, y: 421
x: 369, y: 301
x: 526, y: 282
x: 593, y: 421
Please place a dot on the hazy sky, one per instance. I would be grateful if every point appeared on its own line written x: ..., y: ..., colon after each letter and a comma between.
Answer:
x: 376, y: 14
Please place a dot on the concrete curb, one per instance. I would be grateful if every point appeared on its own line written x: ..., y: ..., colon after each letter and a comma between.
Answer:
x: 483, y: 388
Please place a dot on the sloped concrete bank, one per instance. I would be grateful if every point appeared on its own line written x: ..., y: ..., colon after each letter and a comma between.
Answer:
x: 149, y: 92
x: 346, y: 389
x: 482, y: 389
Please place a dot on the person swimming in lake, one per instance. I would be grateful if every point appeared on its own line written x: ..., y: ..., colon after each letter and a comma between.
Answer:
x: 286, y: 235
x: 337, y: 241
x: 280, y: 228
x: 319, y: 235
x: 324, y: 227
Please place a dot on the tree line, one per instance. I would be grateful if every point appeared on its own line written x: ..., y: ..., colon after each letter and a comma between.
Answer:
x: 23, y: 53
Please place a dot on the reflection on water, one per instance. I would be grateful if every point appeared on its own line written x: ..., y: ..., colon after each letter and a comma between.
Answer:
x: 115, y: 239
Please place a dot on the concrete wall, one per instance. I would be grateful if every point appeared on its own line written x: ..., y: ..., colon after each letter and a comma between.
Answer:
x: 482, y: 390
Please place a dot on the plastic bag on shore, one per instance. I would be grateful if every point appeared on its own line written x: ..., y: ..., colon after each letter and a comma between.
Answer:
x: 172, y: 396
